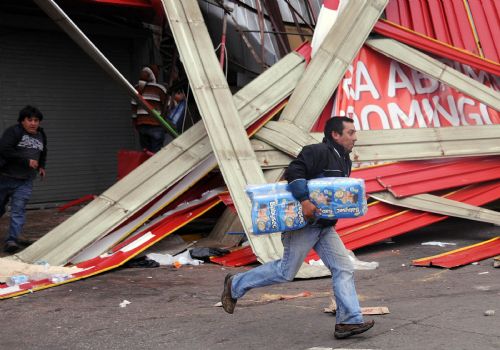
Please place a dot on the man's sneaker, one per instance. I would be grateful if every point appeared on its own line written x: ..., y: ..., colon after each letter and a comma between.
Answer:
x: 346, y: 330
x: 10, y: 247
x: 228, y: 302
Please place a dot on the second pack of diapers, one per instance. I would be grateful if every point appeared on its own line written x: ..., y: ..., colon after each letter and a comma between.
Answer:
x: 276, y: 212
x: 338, y: 197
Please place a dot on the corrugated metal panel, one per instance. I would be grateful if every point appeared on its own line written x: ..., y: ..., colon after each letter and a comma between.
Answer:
x: 436, y: 47
x: 487, y: 24
x: 409, y: 178
x: 408, y: 220
x: 460, y: 173
x: 462, y: 256
x: 451, y: 22
x: 87, y: 119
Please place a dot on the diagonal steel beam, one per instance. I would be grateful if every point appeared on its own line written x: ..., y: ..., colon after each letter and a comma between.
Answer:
x: 63, y: 21
x: 392, y: 145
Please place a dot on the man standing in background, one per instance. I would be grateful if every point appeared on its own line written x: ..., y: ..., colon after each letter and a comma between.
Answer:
x: 152, y: 135
x: 23, y: 151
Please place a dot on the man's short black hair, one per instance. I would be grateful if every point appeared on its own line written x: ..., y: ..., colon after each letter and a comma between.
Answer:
x: 29, y: 111
x: 336, y: 124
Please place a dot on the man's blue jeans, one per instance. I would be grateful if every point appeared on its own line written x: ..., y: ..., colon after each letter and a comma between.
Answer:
x: 19, y: 193
x: 297, y: 244
x: 151, y: 137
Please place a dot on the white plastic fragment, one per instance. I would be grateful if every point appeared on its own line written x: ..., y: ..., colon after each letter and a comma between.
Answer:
x: 489, y: 312
x: 124, y: 303
x: 441, y: 244
x: 358, y: 264
x: 181, y: 259
x: 361, y: 265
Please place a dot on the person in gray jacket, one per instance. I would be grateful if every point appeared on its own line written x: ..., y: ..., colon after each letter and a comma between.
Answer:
x: 23, y: 151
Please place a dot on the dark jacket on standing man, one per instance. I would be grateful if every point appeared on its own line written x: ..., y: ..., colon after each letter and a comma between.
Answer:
x: 14, y: 159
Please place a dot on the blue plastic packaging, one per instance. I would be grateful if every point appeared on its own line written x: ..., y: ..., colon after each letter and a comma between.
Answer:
x: 274, y: 209
x: 16, y: 280
x: 276, y: 212
x: 263, y: 189
x: 338, y: 197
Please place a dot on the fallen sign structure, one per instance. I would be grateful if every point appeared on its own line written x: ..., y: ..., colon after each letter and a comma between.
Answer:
x: 226, y: 116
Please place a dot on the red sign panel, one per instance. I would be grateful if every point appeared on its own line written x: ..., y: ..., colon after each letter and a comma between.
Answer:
x: 381, y: 93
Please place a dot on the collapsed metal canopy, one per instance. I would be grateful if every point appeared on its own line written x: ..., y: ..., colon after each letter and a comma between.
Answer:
x: 226, y: 134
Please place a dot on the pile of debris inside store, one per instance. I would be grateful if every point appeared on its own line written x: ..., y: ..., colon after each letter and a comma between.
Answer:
x: 421, y: 87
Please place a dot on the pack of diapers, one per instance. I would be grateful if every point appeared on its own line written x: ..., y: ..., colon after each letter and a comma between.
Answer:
x: 338, y: 197
x: 276, y: 211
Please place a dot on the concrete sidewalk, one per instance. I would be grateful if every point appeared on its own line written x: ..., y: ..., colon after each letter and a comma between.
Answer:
x: 170, y: 308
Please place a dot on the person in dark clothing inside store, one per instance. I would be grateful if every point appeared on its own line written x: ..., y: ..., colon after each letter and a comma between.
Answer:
x: 23, y: 151
x: 152, y: 135
x: 327, y: 159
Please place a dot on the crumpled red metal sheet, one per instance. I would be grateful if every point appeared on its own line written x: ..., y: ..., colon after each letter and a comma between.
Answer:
x: 403, y: 221
x: 404, y: 179
x: 471, y: 25
x: 437, y: 47
x: 124, y: 251
x: 462, y: 256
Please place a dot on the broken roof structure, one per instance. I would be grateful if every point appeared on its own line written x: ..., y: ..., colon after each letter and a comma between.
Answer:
x: 431, y: 127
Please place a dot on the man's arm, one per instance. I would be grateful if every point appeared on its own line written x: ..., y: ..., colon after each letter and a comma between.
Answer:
x: 297, y: 173
x: 8, y: 143
x: 43, y: 155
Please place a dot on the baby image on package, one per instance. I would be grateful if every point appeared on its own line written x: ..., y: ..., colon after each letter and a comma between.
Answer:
x: 265, y: 215
x: 291, y: 215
